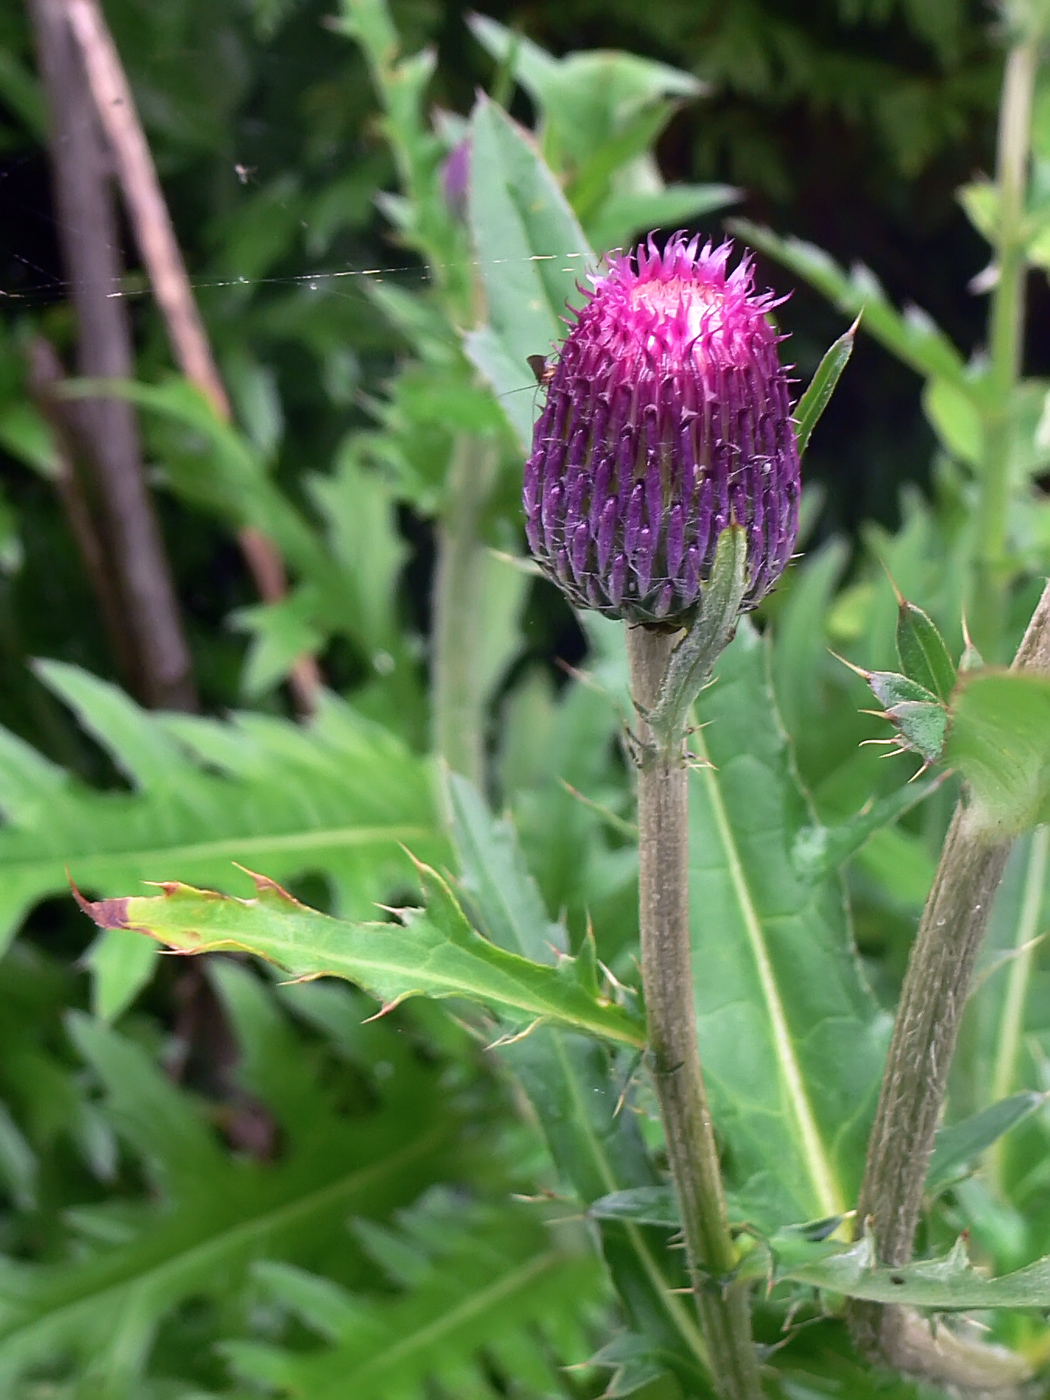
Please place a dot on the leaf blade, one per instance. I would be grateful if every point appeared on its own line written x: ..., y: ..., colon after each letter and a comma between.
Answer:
x: 436, y: 953
x: 818, y: 393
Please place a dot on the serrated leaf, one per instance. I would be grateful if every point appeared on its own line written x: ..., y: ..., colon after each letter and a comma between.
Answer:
x: 821, y: 387
x: 433, y: 953
x: 1000, y: 741
x: 790, y: 1036
x: 531, y: 252
x: 493, y: 1282
x: 923, y: 655
x: 209, y: 1215
x: 946, y: 1284
x: 339, y: 795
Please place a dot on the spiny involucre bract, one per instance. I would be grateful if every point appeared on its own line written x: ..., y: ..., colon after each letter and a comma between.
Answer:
x: 667, y: 418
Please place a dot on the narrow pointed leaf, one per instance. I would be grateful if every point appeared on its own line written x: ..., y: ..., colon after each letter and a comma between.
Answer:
x: 821, y: 387
x: 432, y: 953
x: 958, y: 1145
x: 923, y: 655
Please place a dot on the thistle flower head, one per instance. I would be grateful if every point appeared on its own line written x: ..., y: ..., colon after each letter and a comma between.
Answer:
x: 667, y: 419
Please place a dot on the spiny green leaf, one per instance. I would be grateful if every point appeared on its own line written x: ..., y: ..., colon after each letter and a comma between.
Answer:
x: 920, y: 719
x: 1000, y: 741
x: 821, y: 387
x: 923, y: 655
x: 947, y: 1284
x: 432, y: 953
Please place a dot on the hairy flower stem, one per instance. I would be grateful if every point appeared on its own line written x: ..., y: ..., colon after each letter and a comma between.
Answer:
x: 934, y: 994
x: 692, y: 1152
x: 458, y: 727
x: 1006, y: 344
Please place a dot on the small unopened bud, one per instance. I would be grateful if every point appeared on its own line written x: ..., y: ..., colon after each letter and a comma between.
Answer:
x: 667, y: 419
x: 455, y: 179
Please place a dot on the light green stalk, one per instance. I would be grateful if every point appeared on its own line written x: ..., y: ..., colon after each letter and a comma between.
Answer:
x: 456, y: 685
x: 1006, y: 346
x: 1004, y: 1072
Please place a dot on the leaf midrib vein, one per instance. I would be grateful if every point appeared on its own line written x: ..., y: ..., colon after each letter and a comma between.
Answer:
x: 828, y: 1192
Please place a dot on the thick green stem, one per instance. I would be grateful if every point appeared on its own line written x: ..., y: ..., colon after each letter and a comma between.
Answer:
x: 722, y: 1302
x: 936, y: 986
x: 1006, y: 345
x: 457, y: 702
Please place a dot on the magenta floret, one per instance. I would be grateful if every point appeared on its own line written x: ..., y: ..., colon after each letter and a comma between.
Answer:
x: 667, y: 417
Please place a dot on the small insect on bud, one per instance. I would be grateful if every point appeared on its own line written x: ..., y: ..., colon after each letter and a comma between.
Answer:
x: 667, y: 419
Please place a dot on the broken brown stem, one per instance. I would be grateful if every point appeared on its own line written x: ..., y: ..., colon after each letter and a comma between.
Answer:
x: 88, y: 236
x: 160, y: 251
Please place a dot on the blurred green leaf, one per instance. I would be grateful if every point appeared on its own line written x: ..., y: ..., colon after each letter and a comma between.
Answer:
x: 213, y: 1214
x: 627, y: 214
x: 586, y: 99
x: 910, y: 335
x: 339, y: 796
x: 484, y: 1289
x: 1000, y: 741
x: 959, y: 1144
x: 281, y: 633
x: 531, y: 252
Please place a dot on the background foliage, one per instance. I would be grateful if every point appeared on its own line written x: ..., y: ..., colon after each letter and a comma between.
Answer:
x: 217, y: 1184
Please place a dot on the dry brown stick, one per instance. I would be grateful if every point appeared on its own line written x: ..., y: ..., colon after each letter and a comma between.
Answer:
x: 936, y: 986
x: 160, y: 251
x: 46, y: 374
x: 87, y: 229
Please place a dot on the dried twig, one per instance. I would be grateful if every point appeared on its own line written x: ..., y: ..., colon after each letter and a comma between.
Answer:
x: 88, y: 237
x: 46, y: 374
x: 160, y: 252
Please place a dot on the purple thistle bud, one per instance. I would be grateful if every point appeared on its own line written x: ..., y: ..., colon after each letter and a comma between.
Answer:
x: 455, y: 179
x: 667, y: 419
